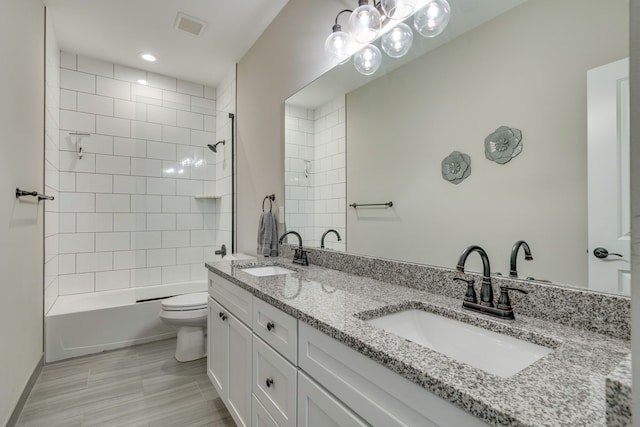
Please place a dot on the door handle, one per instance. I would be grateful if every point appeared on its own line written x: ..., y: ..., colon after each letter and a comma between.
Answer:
x: 603, y: 253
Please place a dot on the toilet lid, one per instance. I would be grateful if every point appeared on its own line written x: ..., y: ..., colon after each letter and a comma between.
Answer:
x: 194, y: 301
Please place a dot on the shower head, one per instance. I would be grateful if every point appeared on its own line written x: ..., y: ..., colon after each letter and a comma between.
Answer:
x: 213, y: 147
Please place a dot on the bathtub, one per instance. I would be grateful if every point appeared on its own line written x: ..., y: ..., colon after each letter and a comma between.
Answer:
x: 82, y: 324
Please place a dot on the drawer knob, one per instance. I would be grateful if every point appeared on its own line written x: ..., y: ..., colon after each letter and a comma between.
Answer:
x: 269, y: 382
x: 223, y: 316
x: 270, y: 326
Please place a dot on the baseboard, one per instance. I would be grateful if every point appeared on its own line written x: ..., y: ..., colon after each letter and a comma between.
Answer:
x: 13, y: 419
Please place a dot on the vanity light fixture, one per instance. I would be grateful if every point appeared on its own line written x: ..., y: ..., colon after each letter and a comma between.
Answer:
x: 383, y: 19
x: 148, y: 57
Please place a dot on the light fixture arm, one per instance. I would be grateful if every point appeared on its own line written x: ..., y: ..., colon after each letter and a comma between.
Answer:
x: 336, y: 26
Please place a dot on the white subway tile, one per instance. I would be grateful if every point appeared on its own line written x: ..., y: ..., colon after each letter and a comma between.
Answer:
x: 190, y: 222
x: 99, y: 144
x: 161, y: 222
x: 188, y: 187
x: 108, y: 242
x: 112, y: 280
x: 210, y: 92
x: 160, y: 81
x: 144, y: 130
x: 129, y: 259
x: 176, y: 274
x: 203, y: 237
x: 146, y: 203
x: 176, y: 204
x: 129, y: 222
x: 190, y: 88
x: 175, y: 170
x: 160, y: 257
x: 202, y: 138
x: 210, y: 123
x: 146, y: 240
x: 95, y: 66
x: 179, y: 101
x: 162, y: 186
x: 68, y: 60
x: 76, y: 243
x: 77, y: 202
x: 77, y: 122
x: 130, y: 75
x: 129, y: 147
x: 175, y: 239
x: 190, y: 255
x: 161, y: 115
x: 67, y: 264
x: 112, y: 203
x: 70, y: 284
x: 146, y: 94
x: 146, y: 277
x: 74, y: 80
x: 95, y: 104
x: 203, y: 106
x: 176, y: 135
x: 113, y: 126
x: 115, y: 165
x: 67, y: 222
x: 160, y: 150
x: 190, y: 120
x: 124, y: 184
x: 94, y: 222
x: 209, y: 220
x: 68, y: 99
x: 92, y: 262
x: 130, y: 110
x: 67, y: 181
x: 146, y: 167
x: 113, y: 88
x: 93, y: 183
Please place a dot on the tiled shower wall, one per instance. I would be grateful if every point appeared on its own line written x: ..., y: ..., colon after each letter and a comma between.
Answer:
x: 129, y: 215
x: 315, y: 172
x: 51, y: 165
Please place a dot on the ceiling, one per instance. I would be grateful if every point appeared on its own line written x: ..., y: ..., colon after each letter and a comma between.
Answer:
x: 119, y: 31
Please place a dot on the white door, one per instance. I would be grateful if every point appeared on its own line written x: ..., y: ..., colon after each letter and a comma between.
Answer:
x: 608, y: 177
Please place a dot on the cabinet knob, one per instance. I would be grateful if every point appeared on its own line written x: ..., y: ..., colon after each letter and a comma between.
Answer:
x: 269, y: 382
x: 270, y: 326
x: 223, y: 316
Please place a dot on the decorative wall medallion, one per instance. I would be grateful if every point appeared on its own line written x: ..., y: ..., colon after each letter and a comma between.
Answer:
x: 503, y: 144
x: 456, y: 167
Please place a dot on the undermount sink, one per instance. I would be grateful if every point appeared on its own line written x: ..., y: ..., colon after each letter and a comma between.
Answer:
x: 498, y: 354
x: 268, y: 270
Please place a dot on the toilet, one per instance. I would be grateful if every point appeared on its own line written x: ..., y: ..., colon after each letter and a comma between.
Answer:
x: 188, y: 313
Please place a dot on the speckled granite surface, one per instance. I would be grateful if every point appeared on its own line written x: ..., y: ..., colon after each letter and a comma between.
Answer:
x: 578, y: 308
x: 618, y: 388
x: 565, y: 388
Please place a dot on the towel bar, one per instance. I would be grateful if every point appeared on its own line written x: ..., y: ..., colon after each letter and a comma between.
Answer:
x: 358, y: 205
x: 22, y: 193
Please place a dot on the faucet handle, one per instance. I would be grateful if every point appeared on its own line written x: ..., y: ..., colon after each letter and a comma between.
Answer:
x: 504, y: 302
x: 470, y: 296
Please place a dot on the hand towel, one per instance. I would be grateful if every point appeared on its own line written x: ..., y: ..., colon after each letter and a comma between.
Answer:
x: 267, y: 235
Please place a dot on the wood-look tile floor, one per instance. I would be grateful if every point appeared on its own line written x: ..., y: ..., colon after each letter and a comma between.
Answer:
x: 136, y: 386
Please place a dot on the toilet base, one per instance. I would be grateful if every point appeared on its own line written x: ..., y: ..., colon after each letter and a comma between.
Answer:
x: 191, y: 344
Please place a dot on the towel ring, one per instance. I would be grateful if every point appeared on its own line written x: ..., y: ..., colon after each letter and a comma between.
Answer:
x: 271, y: 198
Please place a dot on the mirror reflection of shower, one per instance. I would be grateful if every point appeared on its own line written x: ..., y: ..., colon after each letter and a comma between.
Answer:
x: 79, y: 146
x: 214, y: 147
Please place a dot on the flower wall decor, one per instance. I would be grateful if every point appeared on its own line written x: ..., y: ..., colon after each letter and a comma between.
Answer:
x: 456, y: 167
x: 503, y: 144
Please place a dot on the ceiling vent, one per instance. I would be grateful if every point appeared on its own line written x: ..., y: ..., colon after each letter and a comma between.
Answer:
x: 189, y: 24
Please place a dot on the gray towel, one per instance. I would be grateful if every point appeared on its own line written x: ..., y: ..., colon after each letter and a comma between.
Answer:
x: 267, y: 235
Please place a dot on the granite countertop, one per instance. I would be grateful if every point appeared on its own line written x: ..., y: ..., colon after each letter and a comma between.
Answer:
x: 566, y: 387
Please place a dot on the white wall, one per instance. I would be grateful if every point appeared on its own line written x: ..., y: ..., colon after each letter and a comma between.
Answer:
x: 506, y: 72
x: 128, y: 216
x: 21, y: 221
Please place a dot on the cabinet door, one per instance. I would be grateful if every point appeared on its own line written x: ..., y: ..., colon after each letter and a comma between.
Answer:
x: 261, y: 417
x: 218, y: 348
x: 239, y: 357
x: 318, y: 408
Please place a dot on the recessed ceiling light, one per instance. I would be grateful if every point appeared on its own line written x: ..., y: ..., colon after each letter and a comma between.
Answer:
x: 142, y: 81
x: 148, y: 57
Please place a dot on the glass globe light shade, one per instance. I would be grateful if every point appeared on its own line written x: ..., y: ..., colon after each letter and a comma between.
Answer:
x: 367, y: 60
x: 432, y: 19
x: 338, y: 45
x: 398, y: 41
x: 365, y: 23
x: 398, y: 9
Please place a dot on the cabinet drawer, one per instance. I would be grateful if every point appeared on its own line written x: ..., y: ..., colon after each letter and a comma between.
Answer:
x: 275, y: 383
x: 261, y: 417
x: 232, y: 297
x: 276, y: 328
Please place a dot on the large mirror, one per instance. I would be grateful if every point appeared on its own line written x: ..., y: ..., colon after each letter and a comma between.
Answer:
x: 554, y: 71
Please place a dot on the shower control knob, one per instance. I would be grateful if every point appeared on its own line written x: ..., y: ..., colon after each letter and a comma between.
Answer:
x: 270, y: 326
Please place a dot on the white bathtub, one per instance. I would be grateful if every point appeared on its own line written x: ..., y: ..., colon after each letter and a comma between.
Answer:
x: 91, y: 323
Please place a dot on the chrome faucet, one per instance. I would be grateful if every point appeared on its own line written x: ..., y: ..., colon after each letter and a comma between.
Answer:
x: 325, y: 235
x: 300, y: 255
x: 504, y: 309
x: 513, y: 272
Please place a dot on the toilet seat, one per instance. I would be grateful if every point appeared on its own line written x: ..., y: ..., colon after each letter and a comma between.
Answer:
x: 186, y: 302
